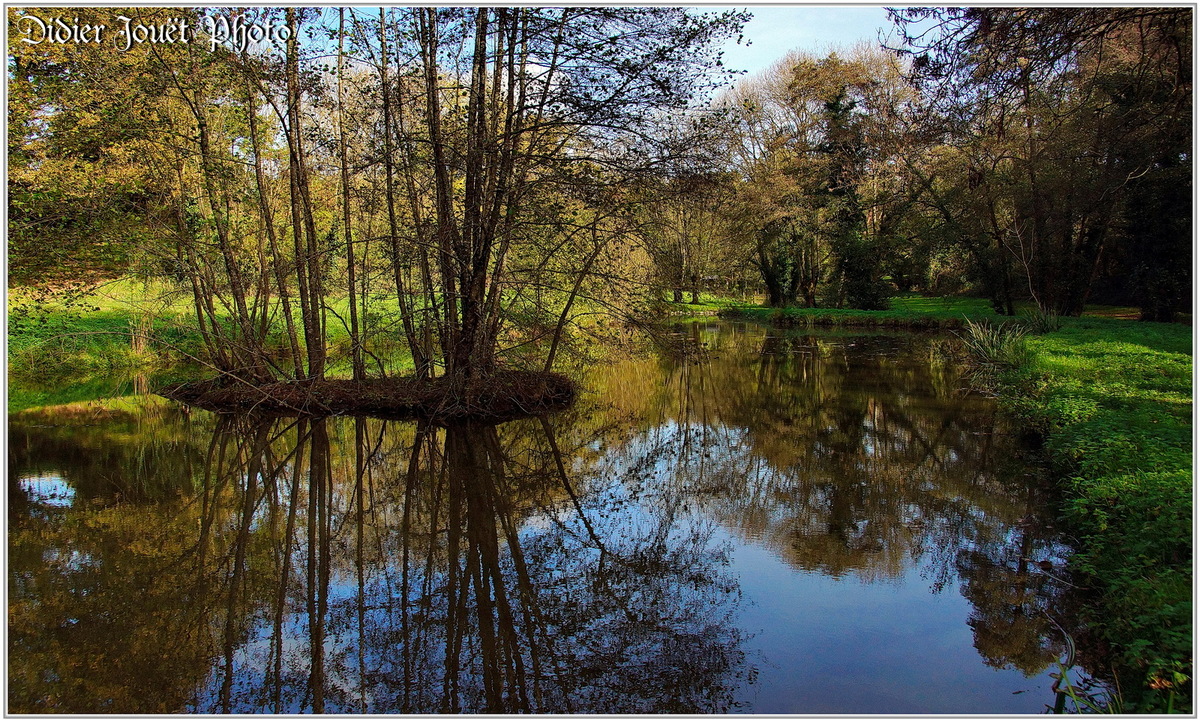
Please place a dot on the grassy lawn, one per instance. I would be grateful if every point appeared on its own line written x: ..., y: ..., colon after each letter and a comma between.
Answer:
x: 908, y: 311
x: 63, y: 353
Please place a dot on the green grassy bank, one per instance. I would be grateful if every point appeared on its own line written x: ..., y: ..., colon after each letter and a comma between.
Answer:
x: 910, y: 311
x: 77, y: 352
x: 98, y: 344
x: 1113, y: 401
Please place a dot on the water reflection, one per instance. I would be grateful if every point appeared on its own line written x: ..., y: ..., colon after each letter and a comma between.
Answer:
x: 585, y: 562
x: 406, y: 569
x: 855, y: 456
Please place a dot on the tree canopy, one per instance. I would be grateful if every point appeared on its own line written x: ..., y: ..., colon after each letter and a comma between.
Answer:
x: 465, y: 184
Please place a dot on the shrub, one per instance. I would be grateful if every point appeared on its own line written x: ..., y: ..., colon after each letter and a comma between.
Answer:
x: 1001, y: 345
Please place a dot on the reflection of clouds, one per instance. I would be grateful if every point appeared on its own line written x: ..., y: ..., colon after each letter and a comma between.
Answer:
x: 69, y: 560
x: 470, y: 584
x: 47, y: 488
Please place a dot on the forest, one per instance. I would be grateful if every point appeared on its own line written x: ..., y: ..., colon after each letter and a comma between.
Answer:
x: 474, y: 185
x: 444, y: 211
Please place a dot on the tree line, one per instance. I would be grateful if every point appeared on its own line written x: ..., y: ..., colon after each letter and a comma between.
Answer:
x: 1021, y: 154
x: 467, y: 185
x: 451, y: 176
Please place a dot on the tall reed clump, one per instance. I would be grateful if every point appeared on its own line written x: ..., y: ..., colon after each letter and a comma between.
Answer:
x: 1040, y: 321
x: 1000, y: 346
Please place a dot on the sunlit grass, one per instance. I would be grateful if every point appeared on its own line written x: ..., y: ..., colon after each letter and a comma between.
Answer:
x: 1113, y: 399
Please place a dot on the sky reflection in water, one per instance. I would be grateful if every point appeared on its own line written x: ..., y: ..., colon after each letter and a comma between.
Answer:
x: 780, y: 523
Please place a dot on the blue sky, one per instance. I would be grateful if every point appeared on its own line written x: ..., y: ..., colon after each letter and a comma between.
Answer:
x: 776, y: 29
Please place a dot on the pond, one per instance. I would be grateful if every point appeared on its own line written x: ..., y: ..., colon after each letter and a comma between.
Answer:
x: 757, y: 521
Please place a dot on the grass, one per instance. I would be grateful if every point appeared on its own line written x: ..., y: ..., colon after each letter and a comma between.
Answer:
x: 1113, y: 402
x: 907, y: 311
x: 710, y: 304
x: 79, y: 349
x: 996, y: 344
x: 62, y: 350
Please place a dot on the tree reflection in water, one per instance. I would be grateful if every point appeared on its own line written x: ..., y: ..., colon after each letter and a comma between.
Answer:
x: 854, y: 456
x: 454, y: 570
x: 161, y: 562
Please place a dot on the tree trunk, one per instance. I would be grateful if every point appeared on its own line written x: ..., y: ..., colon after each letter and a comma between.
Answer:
x: 356, y: 358
x: 420, y: 362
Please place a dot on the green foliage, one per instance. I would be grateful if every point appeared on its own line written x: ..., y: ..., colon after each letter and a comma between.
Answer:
x: 860, y: 274
x: 1001, y: 345
x: 65, y: 355
x: 1114, y: 402
x: 82, y: 199
x: 1094, y: 82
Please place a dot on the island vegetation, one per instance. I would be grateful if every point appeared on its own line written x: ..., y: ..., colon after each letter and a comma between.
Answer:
x: 434, y: 211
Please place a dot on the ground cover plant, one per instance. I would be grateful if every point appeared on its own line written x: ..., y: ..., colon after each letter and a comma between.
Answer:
x: 1113, y: 401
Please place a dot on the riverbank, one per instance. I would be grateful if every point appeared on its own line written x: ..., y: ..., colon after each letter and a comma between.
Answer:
x: 1112, y: 400
x: 1111, y: 397
x: 124, y: 334
x: 907, y: 312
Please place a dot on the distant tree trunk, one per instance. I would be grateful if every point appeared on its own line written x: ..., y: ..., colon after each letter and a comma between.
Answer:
x: 304, y: 234
x: 358, y: 370
x: 268, y: 221
x: 446, y: 235
x: 776, y: 296
x: 403, y: 297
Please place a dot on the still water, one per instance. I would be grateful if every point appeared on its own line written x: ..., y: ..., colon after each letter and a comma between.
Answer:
x: 758, y: 521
